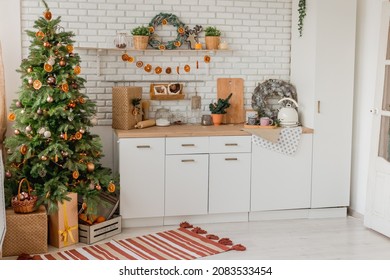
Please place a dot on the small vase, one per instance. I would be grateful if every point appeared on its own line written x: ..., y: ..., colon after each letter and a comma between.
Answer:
x: 121, y: 41
x: 212, y: 42
x: 217, y: 119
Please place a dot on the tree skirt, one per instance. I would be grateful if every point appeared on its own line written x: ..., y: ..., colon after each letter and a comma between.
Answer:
x: 184, y: 243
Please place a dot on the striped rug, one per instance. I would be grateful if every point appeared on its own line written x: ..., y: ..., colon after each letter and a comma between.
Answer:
x: 178, y: 244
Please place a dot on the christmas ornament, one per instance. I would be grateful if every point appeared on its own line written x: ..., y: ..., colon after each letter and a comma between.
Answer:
x: 70, y: 118
x: 23, y: 149
x: 9, y: 152
x: 69, y: 48
x: 30, y: 81
x: 40, y: 35
x: 8, y: 174
x: 72, y: 104
x: 29, y: 69
x: 42, y: 172
x: 49, y: 99
x: 47, y: 15
x: 51, y: 60
x: 37, y: 84
x: 48, y: 68
x: 22, y: 112
x: 44, y: 158
x: 92, y: 186
x: 71, y: 54
x: 77, y: 69
x: 51, y: 80
x: 82, y: 131
x: 18, y: 104
x: 41, y: 130
x: 75, y: 174
x: 65, y: 87
x: 17, y: 131
x: 74, y: 86
x: 47, y: 134
x: 94, y: 121
x: 81, y: 100
x: 47, y: 45
x: 28, y: 128
x: 98, y: 187
x: 90, y: 167
x: 111, y: 187
x: 64, y: 154
x: 11, y: 116
x: 78, y: 136
x: 39, y: 111
x: 62, y: 62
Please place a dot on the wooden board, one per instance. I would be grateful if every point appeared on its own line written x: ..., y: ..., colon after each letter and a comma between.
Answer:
x: 236, y: 112
x: 259, y: 126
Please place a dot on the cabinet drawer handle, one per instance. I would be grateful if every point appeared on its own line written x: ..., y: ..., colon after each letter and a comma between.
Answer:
x: 187, y: 160
x: 143, y: 146
x: 231, y: 144
x: 188, y: 145
x: 232, y: 158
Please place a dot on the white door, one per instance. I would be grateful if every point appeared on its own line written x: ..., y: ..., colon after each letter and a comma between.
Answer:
x: 377, y: 214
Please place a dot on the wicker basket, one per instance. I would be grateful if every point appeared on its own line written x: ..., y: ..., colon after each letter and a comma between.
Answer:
x: 26, y: 205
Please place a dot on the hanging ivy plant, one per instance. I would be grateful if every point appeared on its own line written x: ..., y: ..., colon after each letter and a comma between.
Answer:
x: 302, y: 14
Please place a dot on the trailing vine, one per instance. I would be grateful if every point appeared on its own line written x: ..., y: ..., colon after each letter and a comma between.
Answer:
x: 302, y: 14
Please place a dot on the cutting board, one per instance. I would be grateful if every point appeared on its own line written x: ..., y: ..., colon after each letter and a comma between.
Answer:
x: 225, y: 86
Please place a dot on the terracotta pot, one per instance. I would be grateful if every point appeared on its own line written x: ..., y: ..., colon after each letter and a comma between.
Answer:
x: 217, y: 119
x: 140, y: 42
x: 212, y: 42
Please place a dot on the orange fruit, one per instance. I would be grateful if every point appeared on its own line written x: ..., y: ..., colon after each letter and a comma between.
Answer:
x: 100, y: 219
x: 11, y: 117
x: 48, y: 67
x: 111, y: 187
x: 37, y: 84
x: 77, y: 69
x: 83, y: 217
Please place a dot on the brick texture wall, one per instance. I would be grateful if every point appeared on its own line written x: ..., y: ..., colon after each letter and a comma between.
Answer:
x: 258, y: 34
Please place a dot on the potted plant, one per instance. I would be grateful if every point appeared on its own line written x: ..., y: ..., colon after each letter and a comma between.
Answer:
x: 218, y: 109
x: 140, y: 37
x: 212, y: 37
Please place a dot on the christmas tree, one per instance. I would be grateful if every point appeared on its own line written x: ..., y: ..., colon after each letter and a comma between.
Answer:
x: 53, y: 148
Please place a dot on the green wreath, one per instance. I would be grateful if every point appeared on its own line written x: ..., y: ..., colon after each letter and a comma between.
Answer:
x: 164, y: 19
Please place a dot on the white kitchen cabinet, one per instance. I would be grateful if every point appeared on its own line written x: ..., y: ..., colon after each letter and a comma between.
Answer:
x: 323, y: 72
x: 141, y: 167
x: 281, y: 181
x: 186, y: 184
x: 229, y: 183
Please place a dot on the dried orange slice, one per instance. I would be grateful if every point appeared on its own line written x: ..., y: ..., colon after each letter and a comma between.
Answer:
x: 158, y: 70
x: 178, y: 70
x: 125, y: 57
x: 168, y: 70
x: 40, y: 34
x: 207, y: 59
x: 131, y: 59
x: 23, y: 149
x: 139, y: 64
x: 77, y: 69
x: 69, y: 48
x: 37, y: 84
x: 197, y: 64
x: 111, y: 187
x: 78, y: 136
x: 161, y: 47
x: 181, y: 30
x: 151, y: 29
x: 81, y: 100
x: 65, y: 87
x: 177, y: 43
x: 48, y: 67
x: 187, y: 68
x: 11, y: 117
x: 148, y: 68
x: 75, y: 174
x: 164, y: 22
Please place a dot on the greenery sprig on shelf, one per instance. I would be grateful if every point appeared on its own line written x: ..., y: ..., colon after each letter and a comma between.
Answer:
x: 212, y: 31
x: 140, y: 31
x: 302, y: 14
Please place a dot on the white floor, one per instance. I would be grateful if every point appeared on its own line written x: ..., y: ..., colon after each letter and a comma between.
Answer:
x: 303, y: 239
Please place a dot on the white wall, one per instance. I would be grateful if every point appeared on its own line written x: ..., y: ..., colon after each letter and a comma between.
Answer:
x: 368, y: 25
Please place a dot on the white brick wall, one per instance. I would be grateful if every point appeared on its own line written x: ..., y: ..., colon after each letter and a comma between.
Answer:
x: 258, y: 32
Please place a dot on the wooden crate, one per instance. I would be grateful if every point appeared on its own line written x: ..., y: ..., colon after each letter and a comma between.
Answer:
x: 122, y: 107
x: 94, y: 233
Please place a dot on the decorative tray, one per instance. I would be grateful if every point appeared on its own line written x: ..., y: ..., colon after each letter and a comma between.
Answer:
x: 259, y: 126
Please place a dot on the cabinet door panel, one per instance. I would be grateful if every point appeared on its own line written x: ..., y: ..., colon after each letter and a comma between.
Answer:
x: 280, y: 181
x: 187, y: 145
x: 230, y: 144
x: 186, y: 185
x: 229, y: 183
x: 141, y: 162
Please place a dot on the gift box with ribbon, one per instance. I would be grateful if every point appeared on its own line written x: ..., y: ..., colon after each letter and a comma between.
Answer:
x: 63, y: 225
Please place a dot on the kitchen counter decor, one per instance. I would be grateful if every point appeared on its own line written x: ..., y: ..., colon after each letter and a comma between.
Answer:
x: 164, y: 19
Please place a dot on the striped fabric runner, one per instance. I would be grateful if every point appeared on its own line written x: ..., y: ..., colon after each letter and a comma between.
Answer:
x: 178, y: 244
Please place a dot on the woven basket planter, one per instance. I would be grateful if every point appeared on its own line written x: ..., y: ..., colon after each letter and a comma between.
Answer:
x: 140, y: 42
x: 212, y: 42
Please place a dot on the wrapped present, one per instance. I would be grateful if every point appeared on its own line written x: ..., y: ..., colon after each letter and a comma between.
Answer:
x: 126, y: 107
x: 63, y: 225
x: 26, y: 233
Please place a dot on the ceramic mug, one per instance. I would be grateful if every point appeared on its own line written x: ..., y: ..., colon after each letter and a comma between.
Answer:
x: 252, y: 120
x: 266, y: 121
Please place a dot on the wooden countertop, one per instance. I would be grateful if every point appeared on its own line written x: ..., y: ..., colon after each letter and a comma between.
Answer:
x: 189, y: 131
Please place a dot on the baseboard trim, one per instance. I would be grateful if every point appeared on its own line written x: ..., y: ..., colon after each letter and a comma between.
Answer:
x: 355, y: 214
x: 340, y: 212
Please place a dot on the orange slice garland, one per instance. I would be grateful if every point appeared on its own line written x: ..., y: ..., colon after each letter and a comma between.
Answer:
x: 168, y: 70
x: 178, y: 70
x: 139, y: 64
x: 37, y: 84
x: 158, y: 70
x: 197, y: 64
x: 207, y: 59
x: 187, y: 68
x: 125, y: 57
x: 148, y: 68
x: 130, y: 59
